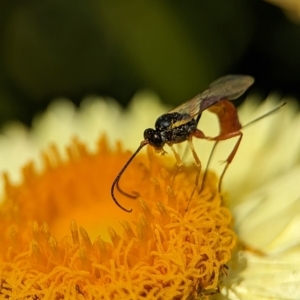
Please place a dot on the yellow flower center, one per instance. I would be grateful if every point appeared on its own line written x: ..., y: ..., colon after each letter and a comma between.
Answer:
x: 63, y: 237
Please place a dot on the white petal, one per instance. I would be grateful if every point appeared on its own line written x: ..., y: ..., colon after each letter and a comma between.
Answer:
x: 95, y: 117
x: 268, y: 148
x: 16, y: 149
x: 266, y: 278
x: 268, y: 219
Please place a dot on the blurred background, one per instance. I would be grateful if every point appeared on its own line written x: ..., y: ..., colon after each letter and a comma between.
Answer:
x: 114, y: 48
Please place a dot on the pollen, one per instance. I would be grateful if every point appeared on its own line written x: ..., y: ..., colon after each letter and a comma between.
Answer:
x: 63, y: 237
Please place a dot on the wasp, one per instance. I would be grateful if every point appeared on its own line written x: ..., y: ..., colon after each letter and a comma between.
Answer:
x: 180, y: 124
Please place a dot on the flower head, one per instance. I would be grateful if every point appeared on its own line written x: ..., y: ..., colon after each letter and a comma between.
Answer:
x: 63, y: 236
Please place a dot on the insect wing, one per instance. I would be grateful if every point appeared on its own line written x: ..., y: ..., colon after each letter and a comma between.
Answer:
x: 231, y: 86
x: 227, y: 87
x: 191, y: 107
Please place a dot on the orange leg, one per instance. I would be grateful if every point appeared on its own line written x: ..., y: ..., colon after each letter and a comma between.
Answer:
x: 229, y: 127
x: 232, y: 153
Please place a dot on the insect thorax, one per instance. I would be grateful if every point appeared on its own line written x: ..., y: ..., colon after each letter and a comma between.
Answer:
x: 171, y: 133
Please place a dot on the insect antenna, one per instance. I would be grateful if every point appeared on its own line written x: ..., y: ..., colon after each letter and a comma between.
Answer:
x: 117, y: 179
x: 265, y: 115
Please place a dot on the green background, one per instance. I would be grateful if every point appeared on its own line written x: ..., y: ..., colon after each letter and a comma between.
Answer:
x: 75, y: 48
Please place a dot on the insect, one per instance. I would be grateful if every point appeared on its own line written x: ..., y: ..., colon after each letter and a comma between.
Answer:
x: 180, y: 124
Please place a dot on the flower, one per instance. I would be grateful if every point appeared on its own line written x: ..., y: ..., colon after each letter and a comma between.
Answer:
x: 265, y: 204
x: 63, y: 236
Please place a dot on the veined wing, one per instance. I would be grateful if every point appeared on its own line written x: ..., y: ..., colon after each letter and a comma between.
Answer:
x: 227, y: 87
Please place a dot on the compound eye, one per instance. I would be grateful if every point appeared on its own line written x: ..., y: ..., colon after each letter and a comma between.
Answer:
x: 153, y: 137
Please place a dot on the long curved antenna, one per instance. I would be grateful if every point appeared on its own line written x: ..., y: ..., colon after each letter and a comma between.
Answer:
x: 117, y: 179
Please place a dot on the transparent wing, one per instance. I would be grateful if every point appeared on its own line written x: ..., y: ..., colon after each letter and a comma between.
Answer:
x: 227, y: 87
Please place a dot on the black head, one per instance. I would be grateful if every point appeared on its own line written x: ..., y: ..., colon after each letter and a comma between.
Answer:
x: 154, y: 138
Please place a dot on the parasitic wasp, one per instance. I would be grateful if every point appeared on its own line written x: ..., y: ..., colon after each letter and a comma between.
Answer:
x: 180, y: 124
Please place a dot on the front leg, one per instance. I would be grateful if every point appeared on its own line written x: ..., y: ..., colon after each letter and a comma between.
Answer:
x: 178, y: 164
x: 198, y: 164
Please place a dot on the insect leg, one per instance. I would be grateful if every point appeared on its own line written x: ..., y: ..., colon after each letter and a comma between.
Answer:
x: 230, y: 157
x: 232, y: 153
x: 198, y: 164
x: 208, y: 163
x: 200, y: 135
x: 179, y: 163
